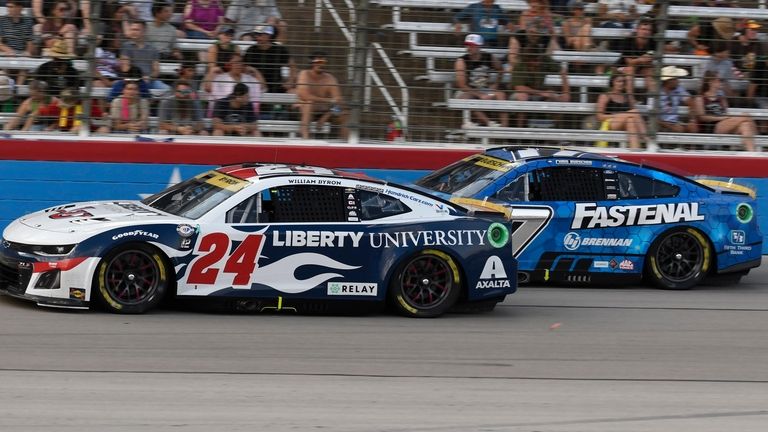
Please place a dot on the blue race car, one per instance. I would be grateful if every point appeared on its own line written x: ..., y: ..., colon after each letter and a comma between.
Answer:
x: 263, y: 237
x: 586, y: 218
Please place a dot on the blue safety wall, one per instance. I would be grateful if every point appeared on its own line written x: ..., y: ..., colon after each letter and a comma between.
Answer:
x: 27, y: 186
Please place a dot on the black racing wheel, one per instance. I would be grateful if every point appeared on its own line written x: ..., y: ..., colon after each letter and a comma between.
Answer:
x: 426, y: 285
x: 131, y: 279
x: 679, y: 259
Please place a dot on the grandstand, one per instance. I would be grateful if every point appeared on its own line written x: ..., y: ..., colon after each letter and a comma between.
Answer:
x: 395, y: 63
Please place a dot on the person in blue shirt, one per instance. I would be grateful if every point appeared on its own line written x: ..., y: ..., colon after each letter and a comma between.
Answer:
x: 672, y: 95
x: 484, y: 19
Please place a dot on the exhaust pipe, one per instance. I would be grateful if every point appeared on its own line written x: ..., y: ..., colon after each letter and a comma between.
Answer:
x: 523, y: 277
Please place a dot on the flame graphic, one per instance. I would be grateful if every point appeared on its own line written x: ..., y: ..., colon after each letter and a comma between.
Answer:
x: 281, y: 275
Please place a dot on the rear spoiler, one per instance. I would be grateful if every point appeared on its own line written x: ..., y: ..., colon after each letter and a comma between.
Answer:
x: 728, y: 187
x: 483, y: 207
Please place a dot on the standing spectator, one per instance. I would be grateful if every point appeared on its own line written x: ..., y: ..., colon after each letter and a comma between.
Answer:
x: 528, y: 78
x: 233, y: 115
x: 58, y: 73
x: 711, y: 111
x: 16, y: 36
x: 129, y: 112
x: 161, y: 34
x: 475, y: 72
x: 37, y: 98
x: 221, y: 85
x: 616, y: 111
x: 617, y: 13
x: 58, y: 26
x: 220, y: 53
x: 143, y: 55
x: 671, y: 96
x: 272, y: 60
x: 703, y: 35
x: 484, y: 18
x: 66, y: 112
x: 637, y: 53
x: 577, y: 29
x: 247, y: 13
x: 182, y: 114
x: 319, y: 94
x: 202, y: 18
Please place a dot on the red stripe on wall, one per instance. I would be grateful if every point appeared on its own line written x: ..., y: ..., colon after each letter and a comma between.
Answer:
x: 334, y: 156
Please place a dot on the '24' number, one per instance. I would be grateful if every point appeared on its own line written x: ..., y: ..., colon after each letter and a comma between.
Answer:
x: 241, y: 262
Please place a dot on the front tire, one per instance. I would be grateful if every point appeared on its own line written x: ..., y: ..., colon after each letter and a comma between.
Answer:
x: 427, y: 285
x: 679, y: 259
x: 131, y: 279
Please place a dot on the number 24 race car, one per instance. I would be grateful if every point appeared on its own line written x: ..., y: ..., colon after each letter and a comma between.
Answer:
x: 263, y: 237
x: 587, y: 218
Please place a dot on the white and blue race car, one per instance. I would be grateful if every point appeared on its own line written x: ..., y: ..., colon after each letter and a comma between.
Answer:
x: 587, y: 218
x: 263, y: 237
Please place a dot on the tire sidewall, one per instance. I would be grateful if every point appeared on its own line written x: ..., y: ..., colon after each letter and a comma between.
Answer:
x: 108, y: 302
x: 654, y: 274
x: 403, y: 307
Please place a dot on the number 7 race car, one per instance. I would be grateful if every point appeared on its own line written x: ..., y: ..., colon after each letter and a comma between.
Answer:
x: 263, y: 237
x: 587, y: 218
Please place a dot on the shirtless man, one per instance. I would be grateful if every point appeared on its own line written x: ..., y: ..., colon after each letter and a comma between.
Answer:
x: 319, y: 93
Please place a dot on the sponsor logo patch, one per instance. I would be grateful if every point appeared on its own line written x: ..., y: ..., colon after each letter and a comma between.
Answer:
x: 493, y: 274
x: 352, y: 288
x: 77, y: 293
x: 738, y: 237
x: 600, y: 264
x: 627, y: 265
x: 573, y: 240
x: 135, y: 233
x: 185, y: 230
x: 590, y: 215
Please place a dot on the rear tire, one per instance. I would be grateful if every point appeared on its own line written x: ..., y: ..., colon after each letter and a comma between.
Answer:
x: 679, y: 259
x: 131, y: 279
x: 426, y: 285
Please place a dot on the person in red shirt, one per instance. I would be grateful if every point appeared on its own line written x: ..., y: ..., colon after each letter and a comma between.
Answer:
x: 66, y: 112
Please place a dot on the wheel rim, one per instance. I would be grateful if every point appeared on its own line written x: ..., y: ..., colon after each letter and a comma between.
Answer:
x: 680, y: 257
x: 426, y: 282
x: 132, y: 277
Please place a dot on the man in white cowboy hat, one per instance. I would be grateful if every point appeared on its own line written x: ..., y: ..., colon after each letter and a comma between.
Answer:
x: 671, y: 96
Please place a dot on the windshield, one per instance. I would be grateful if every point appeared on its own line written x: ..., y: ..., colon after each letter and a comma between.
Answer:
x: 196, y: 196
x: 466, y: 177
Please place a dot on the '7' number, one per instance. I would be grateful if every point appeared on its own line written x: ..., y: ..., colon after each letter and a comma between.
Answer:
x: 241, y: 262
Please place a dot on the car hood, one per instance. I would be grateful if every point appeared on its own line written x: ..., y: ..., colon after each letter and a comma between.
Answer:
x: 79, y: 221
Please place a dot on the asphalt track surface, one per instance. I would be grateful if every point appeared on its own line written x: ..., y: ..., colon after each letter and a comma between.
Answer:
x: 547, y: 360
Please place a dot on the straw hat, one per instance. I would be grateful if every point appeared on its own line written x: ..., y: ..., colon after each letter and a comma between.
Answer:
x: 725, y: 27
x: 60, y: 50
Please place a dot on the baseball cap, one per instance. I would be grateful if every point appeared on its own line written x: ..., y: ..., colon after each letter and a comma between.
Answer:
x: 752, y: 24
x: 473, y: 39
x: 672, y: 72
x: 264, y: 29
x: 226, y: 29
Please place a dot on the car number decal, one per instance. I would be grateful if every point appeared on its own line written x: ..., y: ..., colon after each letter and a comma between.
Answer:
x: 241, y: 262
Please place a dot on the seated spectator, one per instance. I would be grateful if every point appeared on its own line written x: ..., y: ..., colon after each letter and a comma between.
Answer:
x: 7, y: 89
x: 272, y: 60
x: 161, y: 34
x: 530, y: 72
x: 721, y: 64
x: 221, y: 85
x: 37, y: 97
x: 617, y: 13
x: 182, y: 114
x: 66, y: 113
x: 221, y: 52
x: 58, y: 73
x: 577, y: 29
x: 106, y: 65
x: 637, y: 53
x: 58, y: 26
x: 671, y: 96
x: 143, y: 55
x: 746, y: 50
x: 703, y: 35
x: 202, y: 18
x: 319, y: 95
x: 16, y: 36
x: 484, y: 18
x: 477, y: 78
x: 130, y: 112
x: 128, y: 72
x: 616, y: 111
x: 248, y: 13
x: 234, y: 116
x: 710, y: 108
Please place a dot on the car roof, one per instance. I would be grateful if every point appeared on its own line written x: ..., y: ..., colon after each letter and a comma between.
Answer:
x: 526, y: 154
x: 254, y: 172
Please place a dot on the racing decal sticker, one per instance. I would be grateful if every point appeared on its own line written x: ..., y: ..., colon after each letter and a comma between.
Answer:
x: 74, y: 213
x: 224, y: 181
x: 738, y: 237
x: 353, y: 288
x: 185, y: 230
x: 626, y: 265
x: 527, y: 224
x: 600, y: 264
x: 590, y: 215
x: 573, y: 240
x: 135, y: 233
x: 494, y: 163
x: 77, y: 293
x: 317, y: 238
x: 493, y: 274
x: 573, y: 162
